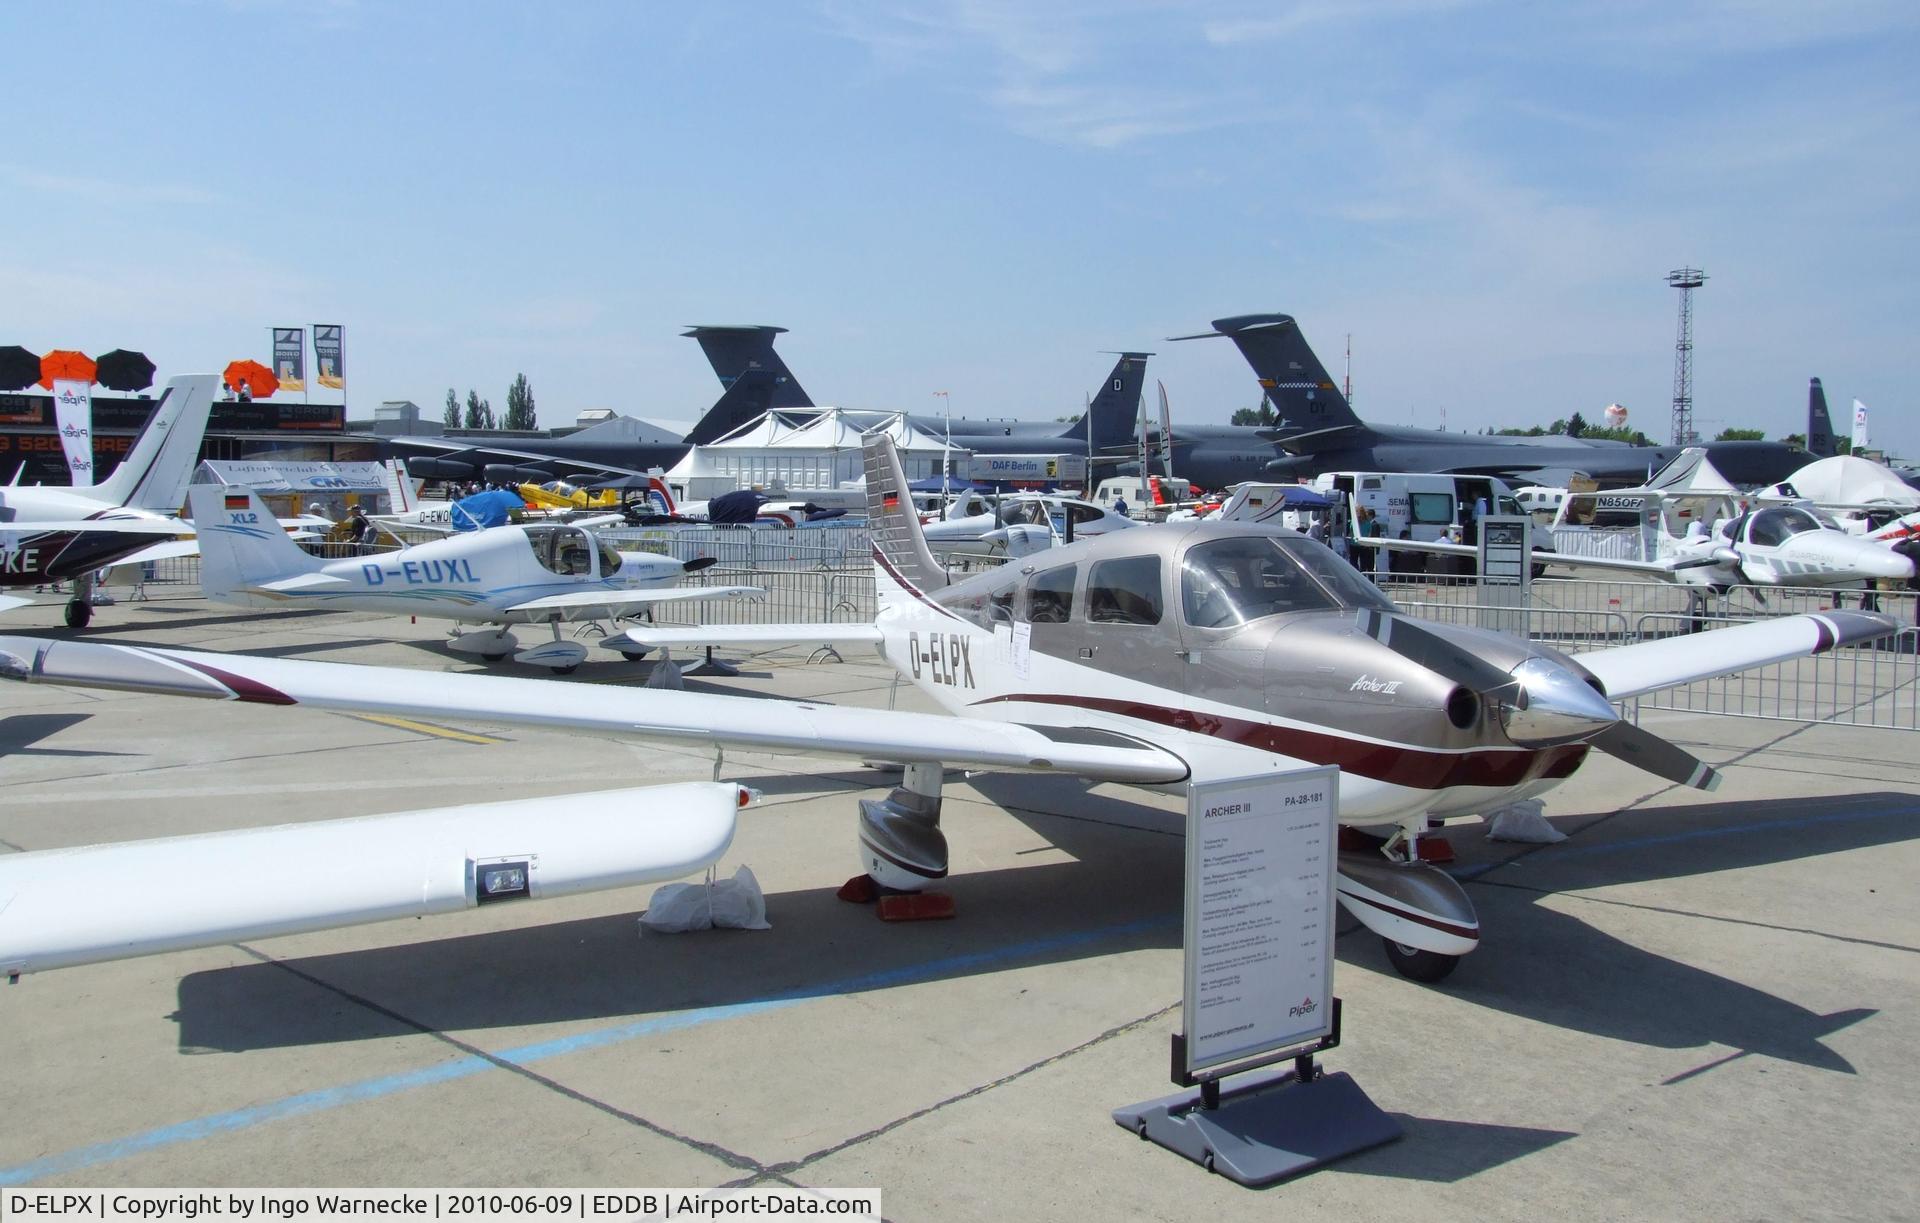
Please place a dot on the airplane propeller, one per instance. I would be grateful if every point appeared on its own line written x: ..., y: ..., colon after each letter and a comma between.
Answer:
x: 1539, y: 703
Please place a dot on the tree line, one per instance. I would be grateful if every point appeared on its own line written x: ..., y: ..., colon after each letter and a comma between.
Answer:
x: 478, y: 413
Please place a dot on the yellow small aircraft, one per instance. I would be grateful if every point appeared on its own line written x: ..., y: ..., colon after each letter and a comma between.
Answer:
x: 560, y: 495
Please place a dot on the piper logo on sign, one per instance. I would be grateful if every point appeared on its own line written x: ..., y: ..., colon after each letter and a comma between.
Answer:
x: 1306, y: 1007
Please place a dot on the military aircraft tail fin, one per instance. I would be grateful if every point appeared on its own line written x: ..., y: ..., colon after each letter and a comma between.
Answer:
x: 1112, y: 411
x: 1291, y: 377
x: 1819, y: 424
x: 903, y: 567
x: 242, y: 545
x: 155, y: 472
x: 755, y: 377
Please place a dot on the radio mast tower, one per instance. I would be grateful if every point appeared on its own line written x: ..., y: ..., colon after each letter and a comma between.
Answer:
x: 1686, y: 280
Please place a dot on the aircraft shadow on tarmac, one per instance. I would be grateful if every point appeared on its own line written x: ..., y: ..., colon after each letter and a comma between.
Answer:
x: 21, y: 732
x: 1121, y: 893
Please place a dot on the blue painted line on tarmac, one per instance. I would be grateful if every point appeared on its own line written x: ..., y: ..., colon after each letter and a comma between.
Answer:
x: 1555, y: 854
x: 307, y: 1103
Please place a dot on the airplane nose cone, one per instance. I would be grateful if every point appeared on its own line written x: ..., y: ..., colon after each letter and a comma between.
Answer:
x: 1555, y: 706
x: 1880, y: 562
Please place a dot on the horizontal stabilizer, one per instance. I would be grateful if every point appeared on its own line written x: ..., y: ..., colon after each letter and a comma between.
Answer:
x: 62, y: 907
x: 302, y: 582
x: 1648, y: 666
x: 625, y: 602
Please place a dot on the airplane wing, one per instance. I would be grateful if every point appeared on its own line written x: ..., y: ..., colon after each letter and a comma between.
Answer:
x: 62, y: 907
x: 593, y: 604
x: 667, y: 716
x: 657, y: 635
x: 1648, y: 666
x: 9, y: 602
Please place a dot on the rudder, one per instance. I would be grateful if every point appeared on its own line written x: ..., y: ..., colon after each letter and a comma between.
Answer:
x: 903, y: 567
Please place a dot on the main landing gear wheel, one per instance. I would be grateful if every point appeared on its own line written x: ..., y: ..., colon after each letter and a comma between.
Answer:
x: 79, y: 614
x: 1417, y: 965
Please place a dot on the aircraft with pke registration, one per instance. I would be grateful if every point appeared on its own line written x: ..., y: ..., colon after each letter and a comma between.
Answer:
x: 546, y: 573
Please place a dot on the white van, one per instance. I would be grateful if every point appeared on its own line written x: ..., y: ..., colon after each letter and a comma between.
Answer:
x: 1156, y: 493
x: 1413, y: 505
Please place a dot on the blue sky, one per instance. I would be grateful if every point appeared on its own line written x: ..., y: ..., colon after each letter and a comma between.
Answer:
x: 981, y: 197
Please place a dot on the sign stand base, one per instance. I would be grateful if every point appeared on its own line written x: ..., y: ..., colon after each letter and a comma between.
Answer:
x: 1268, y: 1126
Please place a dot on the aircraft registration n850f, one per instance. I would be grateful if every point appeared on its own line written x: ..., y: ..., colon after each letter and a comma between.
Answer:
x: 506, y: 575
x: 1156, y: 657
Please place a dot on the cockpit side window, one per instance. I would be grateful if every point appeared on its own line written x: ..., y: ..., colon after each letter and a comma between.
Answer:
x: 609, y: 560
x: 1124, y: 590
x: 1050, y: 595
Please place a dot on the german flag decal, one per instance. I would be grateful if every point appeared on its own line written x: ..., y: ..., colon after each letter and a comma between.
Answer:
x: 890, y: 501
x: 237, y: 503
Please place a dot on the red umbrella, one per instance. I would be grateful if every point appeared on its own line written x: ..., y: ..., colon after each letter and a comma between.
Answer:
x: 257, y: 378
x: 65, y: 363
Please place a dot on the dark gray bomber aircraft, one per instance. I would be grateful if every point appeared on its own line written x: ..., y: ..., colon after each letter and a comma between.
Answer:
x: 1318, y: 431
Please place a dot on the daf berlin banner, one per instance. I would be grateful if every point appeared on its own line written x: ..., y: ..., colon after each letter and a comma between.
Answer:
x: 73, y: 416
x: 328, y: 371
x: 290, y: 357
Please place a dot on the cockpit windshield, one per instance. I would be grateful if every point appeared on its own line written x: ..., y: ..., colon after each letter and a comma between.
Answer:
x: 1228, y: 582
x: 564, y: 550
x: 1027, y: 511
x: 1771, y: 527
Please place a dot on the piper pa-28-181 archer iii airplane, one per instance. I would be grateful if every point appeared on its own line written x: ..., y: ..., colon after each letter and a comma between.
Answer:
x: 1155, y: 657
x: 69, y: 534
x: 536, y: 574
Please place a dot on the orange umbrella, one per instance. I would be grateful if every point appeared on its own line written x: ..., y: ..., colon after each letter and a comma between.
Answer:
x: 65, y: 363
x: 257, y: 378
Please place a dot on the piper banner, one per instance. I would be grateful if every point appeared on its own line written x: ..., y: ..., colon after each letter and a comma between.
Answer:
x: 73, y: 416
x: 328, y: 369
x: 290, y: 357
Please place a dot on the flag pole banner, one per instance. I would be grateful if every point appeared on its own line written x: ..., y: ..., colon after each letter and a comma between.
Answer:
x: 290, y: 357
x: 73, y: 416
x: 328, y: 370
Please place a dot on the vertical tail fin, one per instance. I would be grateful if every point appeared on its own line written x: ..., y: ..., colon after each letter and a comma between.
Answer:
x: 736, y: 350
x: 1290, y: 375
x: 241, y: 543
x: 155, y: 472
x: 1819, y: 424
x: 903, y: 567
x: 1110, y: 415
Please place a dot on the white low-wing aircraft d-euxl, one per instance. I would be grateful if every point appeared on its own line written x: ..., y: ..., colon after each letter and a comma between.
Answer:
x: 56, y: 534
x: 545, y: 573
x: 1155, y: 657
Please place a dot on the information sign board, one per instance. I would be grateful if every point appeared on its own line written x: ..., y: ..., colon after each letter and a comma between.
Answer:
x: 1259, y: 915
